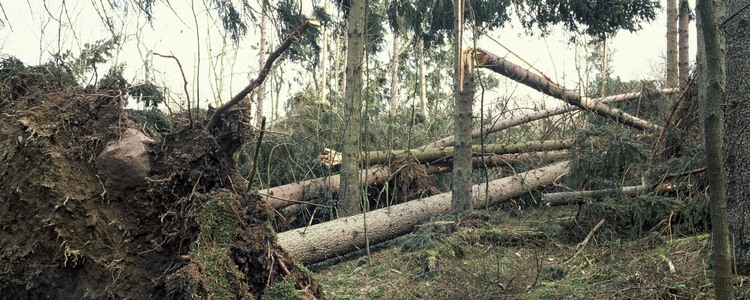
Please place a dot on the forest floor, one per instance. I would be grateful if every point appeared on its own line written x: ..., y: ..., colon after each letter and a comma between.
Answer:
x: 526, y: 254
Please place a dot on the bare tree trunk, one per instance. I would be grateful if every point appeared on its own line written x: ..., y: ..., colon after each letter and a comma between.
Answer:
x: 350, y: 193
x: 422, y: 80
x: 433, y: 154
x: 394, y: 76
x: 671, y: 43
x: 605, y: 60
x: 684, y: 55
x: 715, y: 64
x: 737, y: 120
x: 463, y: 93
x: 501, y: 66
x: 261, y: 91
x: 330, y: 239
x: 322, y: 87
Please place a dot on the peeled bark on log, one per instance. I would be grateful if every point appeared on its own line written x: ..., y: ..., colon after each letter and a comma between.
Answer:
x: 432, y: 154
x: 331, y: 239
x: 501, y: 66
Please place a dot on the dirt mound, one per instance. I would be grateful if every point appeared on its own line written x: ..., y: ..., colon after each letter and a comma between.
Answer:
x: 187, y: 230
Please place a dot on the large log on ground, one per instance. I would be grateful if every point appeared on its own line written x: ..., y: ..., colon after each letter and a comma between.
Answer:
x: 331, y: 239
x: 517, y: 73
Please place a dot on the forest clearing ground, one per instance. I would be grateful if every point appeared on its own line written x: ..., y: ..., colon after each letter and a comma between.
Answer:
x: 526, y: 255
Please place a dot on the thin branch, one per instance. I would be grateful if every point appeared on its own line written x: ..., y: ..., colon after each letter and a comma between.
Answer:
x: 184, y: 79
x: 257, y: 151
x: 293, y: 37
x: 5, y: 16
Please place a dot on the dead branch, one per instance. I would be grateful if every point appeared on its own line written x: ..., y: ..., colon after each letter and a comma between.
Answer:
x: 293, y: 37
x: 185, y: 85
x: 582, y: 245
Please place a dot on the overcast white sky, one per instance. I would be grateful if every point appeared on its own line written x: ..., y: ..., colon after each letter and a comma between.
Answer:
x: 38, y: 28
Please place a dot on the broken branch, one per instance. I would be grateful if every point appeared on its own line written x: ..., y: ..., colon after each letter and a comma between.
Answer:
x: 293, y: 37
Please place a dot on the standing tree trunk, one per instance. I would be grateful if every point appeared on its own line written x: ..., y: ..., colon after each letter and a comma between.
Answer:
x: 736, y: 136
x: 671, y: 43
x: 394, y: 76
x: 322, y: 92
x: 350, y: 195
x: 715, y: 74
x: 684, y: 62
x: 261, y: 92
x: 422, y: 80
x: 463, y: 91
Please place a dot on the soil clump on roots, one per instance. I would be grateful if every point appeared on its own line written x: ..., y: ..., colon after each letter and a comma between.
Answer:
x: 187, y: 229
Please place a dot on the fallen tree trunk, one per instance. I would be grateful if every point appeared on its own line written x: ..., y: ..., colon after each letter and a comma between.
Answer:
x: 501, y: 124
x: 433, y: 154
x: 489, y: 161
x: 297, y: 192
x: 501, y: 66
x: 502, y: 160
x: 331, y: 239
x: 287, y: 194
x: 580, y: 197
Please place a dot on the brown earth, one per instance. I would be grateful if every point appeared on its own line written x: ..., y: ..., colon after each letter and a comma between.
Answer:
x: 188, y: 230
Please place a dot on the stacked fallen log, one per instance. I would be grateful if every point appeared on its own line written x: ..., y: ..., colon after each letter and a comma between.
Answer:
x: 289, y: 194
x: 334, y: 238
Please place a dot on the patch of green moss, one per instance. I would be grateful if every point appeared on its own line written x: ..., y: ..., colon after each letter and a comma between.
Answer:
x: 284, y: 290
x: 218, y: 221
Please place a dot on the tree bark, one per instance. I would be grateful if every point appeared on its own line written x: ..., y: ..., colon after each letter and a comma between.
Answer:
x: 671, y: 43
x: 350, y: 194
x: 331, y: 239
x: 422, y: 80
x: 684, y: 55
x: 501, y: 66
x: 433, y: 154
x: 464, y: 96
x: 394, y: 76
x: 737, y: 120
x: 716, y: 76
x: 261, y: 93
x: 323, y: 87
